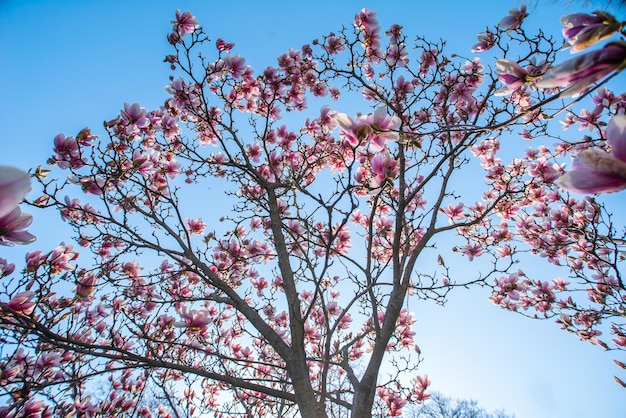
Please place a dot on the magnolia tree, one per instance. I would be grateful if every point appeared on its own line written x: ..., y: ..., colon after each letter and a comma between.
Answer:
x: 243, y: 260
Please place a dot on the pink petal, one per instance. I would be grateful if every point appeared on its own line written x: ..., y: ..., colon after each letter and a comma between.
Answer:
x: 587, y: 181
x: 14, y: 185
x: 345, y: 122
x: 616, y: 136
x: 18, y: 237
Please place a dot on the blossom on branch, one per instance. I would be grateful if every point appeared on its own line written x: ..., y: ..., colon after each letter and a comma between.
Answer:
x: 367, y: 23
x: 384, y: 168
x: 195, y: 226
x: 579, y: 73
x: 185, y: 23
x: 513, y: 75
x: 514, y: 19
x: 249, y: 316
x: 6, y: 268
x: 598, y: 171
x: 13, y: 228
x: 86, y: 285
x: 193, y: 320
x: 583, y: 30
x: 22, y: 303
x: 485, y: 42
x: 420, y: 384
x: 376, y: 129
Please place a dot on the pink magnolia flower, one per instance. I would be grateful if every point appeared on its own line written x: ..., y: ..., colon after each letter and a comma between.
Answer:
x: 598, y: 171
x: 514, y: 76
x: 485, y: 42
x: 22, y: 303
x: 49, y: 359
x: 86, y: 285
x: 514, y: 19
x: 133, y: 118
x: 14, y: 185
x: 6, y: 268
x: 195, y: 226
x: 420, y: 384
x: 60, y: 257
x: 367, y: 23
x: 67, y: 153
x: 185, y: 23
x: 223, y: 46
x: 578, y: 73
x: 35, y: 408
x: 236, y: 66
x: 511, y: 74
x: 454, y: 212
x: 376, y: 129
x: 385, y: 168
x: 583, y: 30
x: 193, y: 320
x: 13, y: 228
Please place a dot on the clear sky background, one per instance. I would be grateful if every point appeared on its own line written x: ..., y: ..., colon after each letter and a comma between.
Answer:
x: 70, y: 64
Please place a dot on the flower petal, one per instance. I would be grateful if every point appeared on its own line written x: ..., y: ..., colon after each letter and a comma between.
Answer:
x: 587, y: 181
x: 14, y: 185
x: 616, y: 136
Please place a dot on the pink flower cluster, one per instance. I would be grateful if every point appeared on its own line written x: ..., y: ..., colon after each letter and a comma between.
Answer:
x: 68, y: 152
x: 194, y: 320
x: 56, y: 261
x: 420, y: 384
x: 393, y: 401
x: 367, y: 23
x: 575, y: 75
x: 486, y: 41
x: 23, y: 302
x: 516, y: 291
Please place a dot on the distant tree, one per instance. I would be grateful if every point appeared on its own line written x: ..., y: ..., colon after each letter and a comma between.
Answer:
x: 247, y: 259
x: 440, y: 406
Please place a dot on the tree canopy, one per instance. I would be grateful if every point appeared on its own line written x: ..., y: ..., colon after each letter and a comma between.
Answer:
x: 295, y: 301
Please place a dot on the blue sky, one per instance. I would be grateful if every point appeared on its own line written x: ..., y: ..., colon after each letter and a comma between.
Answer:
x: 71, y: 64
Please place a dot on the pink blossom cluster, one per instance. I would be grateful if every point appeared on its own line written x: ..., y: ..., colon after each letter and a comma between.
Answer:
x: 22, y: 371
x: 57, y: 261
x: 393, y: 401
x: 511, y: 22
x: 516, y: 291
x: 135, y: 122
x: 6, y: 268
x: 421, y: 383
x: 572, y: 76
x: 365, y: 21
